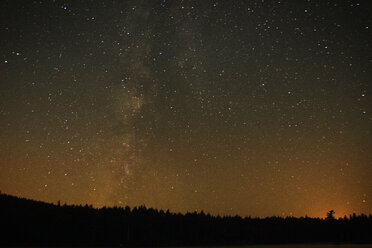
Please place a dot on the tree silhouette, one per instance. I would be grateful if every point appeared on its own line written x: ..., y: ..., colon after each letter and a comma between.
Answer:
x: 330, y: 215
x: 32, y: 223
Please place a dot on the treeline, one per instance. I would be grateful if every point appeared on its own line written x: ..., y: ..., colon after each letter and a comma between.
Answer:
x: 28, y: 222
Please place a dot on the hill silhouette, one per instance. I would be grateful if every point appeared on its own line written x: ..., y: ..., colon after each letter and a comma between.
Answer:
x: 29, y: 222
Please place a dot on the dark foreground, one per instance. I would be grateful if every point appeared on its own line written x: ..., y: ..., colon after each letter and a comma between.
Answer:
x: 27, y: 222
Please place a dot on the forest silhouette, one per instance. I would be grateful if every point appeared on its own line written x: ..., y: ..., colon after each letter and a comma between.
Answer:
x: 29, y: 222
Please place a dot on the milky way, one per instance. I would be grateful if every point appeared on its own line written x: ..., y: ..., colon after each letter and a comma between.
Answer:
x: 231, y: 107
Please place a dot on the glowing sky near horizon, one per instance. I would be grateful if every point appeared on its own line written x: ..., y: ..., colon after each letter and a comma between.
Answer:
x: 254, y: 108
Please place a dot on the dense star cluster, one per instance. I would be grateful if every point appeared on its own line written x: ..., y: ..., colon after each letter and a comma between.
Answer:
x: 232, y: 107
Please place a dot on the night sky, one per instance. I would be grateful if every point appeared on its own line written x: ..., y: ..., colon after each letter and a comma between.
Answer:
x: 256, y: 108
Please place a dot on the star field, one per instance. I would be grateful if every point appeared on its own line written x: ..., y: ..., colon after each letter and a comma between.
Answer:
x: 254, y: 108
